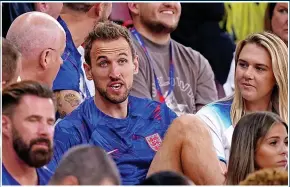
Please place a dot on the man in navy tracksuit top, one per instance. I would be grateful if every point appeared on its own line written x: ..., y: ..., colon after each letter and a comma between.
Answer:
x: 130, y: 129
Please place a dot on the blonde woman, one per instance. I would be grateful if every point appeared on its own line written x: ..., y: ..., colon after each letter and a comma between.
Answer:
x: 261, y: 84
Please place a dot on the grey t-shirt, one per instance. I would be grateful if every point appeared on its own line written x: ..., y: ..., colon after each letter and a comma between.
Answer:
x: 194, y: 84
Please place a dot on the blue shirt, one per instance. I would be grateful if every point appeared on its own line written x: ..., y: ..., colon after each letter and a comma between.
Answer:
x: 133, y: 140
x: 43, y: 174
x: 70, y: 73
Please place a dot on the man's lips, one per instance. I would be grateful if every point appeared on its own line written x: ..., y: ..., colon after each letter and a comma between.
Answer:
x: 115, y: 83
x: 42, y: 145
x: 115, y: 86
x: 168, y: 11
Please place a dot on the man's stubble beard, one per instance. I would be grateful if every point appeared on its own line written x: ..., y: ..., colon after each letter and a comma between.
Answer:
x: 104, y: 94
x: 157, y: 26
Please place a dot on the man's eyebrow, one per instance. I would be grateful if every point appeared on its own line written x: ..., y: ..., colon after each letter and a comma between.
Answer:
x: 99, y: 57
x: 123, y: 54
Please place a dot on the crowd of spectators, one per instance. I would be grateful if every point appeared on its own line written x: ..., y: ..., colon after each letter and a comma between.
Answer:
x: 162, y: 93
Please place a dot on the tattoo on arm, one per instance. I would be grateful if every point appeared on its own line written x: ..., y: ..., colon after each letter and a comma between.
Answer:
x: 58, y: 99
x: 72, y: 99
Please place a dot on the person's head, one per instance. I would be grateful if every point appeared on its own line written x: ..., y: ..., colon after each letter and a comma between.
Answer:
x: 166, y: 178
x: 11, y: 62
x: 52, y: 9
x: 276, y: 20
x: 41, y: 40
x: 28, y: 116
x: 111, y: 61
x: 260, y: 140
x: 158, y: 17
x: 86, y: 165
x: 261, y: 74
x: 96, y: 11
x: 12, y: 10
x: 267, y: 176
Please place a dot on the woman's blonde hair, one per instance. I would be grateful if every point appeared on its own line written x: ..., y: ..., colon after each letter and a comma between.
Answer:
x: 279, y: 58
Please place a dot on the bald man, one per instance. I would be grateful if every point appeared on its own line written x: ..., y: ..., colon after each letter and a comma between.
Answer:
x: 41, y: 40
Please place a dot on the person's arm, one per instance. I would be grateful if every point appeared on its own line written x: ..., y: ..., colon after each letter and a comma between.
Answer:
x: 206, y: 91
x: 209, y: 119
x: 67, y: 101
x: 66, y: 88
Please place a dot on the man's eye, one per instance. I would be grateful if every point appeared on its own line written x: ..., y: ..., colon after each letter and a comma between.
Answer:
x: 122, y: 61
x: 33, y: 119
x: 103, y: 63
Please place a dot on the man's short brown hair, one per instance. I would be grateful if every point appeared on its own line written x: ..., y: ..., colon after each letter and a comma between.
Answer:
x: 12, y: 94
x: 10, y: 59
x: 79, y: 7
x: 82, y: 156
x: 107, y: 31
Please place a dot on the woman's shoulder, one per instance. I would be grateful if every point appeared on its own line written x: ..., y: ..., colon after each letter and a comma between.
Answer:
x: 218, y: 113
x: 223, y: 104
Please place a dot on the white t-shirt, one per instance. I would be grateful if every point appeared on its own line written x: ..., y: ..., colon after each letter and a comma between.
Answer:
x: 217, y: 117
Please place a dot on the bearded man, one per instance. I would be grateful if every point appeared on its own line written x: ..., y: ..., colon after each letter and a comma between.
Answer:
x: 28, y: 117
x: 168, y: 71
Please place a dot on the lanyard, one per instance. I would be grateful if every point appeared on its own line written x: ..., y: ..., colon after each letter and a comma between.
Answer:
x: 171, y: 67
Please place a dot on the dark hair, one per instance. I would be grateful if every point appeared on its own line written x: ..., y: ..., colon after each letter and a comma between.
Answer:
x: 12, y: 94
x: 268, y: 16
x: 10, y: 11
x: 166, y: 178
x: 107, y: 31
x: 79, y: 7
x: 10, y: 60
x: 89, y: 164
x: 268, y: 176
x: 249, y: 130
